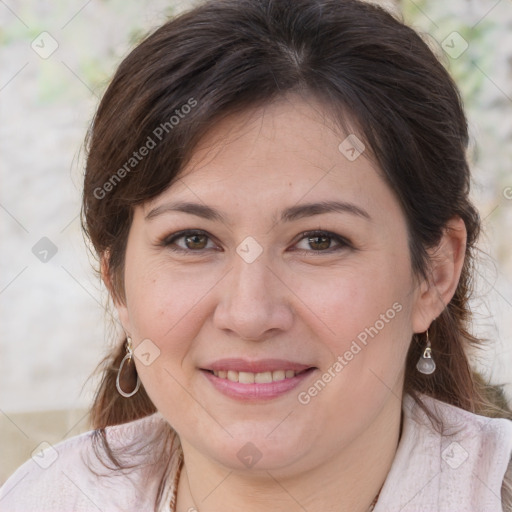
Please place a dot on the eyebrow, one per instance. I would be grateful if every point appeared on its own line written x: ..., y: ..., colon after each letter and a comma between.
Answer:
x: 288, y: 215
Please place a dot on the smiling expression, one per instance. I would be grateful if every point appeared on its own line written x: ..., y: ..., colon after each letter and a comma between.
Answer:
x: 253, y: 272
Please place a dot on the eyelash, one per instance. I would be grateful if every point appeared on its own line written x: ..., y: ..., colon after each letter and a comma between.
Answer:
x: 343, y: 242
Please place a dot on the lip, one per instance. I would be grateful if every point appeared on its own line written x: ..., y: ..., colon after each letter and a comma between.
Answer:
x: 258, y: 366
x: 256, y: 392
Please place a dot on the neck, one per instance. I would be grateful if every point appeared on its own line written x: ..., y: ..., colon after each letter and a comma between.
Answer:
x: 348, y: 481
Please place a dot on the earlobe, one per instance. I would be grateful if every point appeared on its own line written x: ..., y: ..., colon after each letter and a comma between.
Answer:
x: 446, y: 262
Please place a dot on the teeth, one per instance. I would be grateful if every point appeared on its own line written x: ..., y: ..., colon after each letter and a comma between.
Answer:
x: 278, y: 375
x: 246, y: 377
x: 258, y: 378
x: 232, y: 376
x: 263, y: 377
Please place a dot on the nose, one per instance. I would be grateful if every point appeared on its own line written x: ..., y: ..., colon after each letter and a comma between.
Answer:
x: 255, y: 303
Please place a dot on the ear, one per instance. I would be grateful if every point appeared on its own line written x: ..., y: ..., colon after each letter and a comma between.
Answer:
x: 105, y: 273
x: 118, y: 301
x: 446, y: 261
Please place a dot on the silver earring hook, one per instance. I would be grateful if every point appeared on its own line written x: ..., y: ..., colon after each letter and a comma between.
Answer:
x: 127, y: 358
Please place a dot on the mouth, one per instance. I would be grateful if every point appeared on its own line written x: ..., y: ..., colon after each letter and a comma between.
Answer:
x: 257, y: 380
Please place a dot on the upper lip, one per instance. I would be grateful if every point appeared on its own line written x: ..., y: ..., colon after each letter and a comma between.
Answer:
x: 257, y: 366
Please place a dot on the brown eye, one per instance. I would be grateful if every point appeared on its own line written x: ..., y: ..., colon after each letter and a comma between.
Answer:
x: 196, y: 241
x: 193, y: 241
x: 321, y: 242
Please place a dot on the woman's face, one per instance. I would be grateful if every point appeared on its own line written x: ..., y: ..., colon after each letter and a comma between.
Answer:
x: 269, y: 285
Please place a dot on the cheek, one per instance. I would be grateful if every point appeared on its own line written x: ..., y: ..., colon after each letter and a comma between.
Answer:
x: 365, y: 317
x: 161, y: 297
x: 164, y: 306
x: 369, y: 330
x: 350, y: 300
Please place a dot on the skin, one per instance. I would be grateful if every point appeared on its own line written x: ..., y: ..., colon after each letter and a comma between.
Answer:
x: 293, y: 302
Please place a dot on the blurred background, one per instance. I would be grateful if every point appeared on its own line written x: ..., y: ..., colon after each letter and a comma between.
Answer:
x: 56, y: 59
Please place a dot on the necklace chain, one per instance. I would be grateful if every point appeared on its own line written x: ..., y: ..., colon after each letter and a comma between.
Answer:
x: 177, y: 478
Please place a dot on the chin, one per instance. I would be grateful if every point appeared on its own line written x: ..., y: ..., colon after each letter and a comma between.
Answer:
x: 263, y: 450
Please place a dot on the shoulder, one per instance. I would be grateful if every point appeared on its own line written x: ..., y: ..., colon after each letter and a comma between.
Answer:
x: 461, y: 432
x: 456, y: 464
x: 71, y: 475
x: 456, y: 422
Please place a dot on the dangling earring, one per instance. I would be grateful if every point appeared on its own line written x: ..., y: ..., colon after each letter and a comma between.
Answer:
x: 128, y: 359
x: 426, y: 364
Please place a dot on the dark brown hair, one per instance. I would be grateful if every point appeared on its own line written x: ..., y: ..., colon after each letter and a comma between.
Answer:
x: 367, y: 67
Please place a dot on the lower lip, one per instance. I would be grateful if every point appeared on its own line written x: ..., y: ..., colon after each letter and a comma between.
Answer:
x: 256, y: 392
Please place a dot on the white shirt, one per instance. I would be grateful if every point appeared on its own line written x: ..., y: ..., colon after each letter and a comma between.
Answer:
x: 460, y: 470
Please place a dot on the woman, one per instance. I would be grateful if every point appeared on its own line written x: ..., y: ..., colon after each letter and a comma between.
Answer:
x: 277, y: 191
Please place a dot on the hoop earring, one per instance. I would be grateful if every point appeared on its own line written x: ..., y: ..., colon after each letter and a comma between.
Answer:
x: 127, y: 358
x: 426, y: 363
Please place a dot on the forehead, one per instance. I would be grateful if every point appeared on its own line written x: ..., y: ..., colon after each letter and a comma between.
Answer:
x: 285, y: 153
